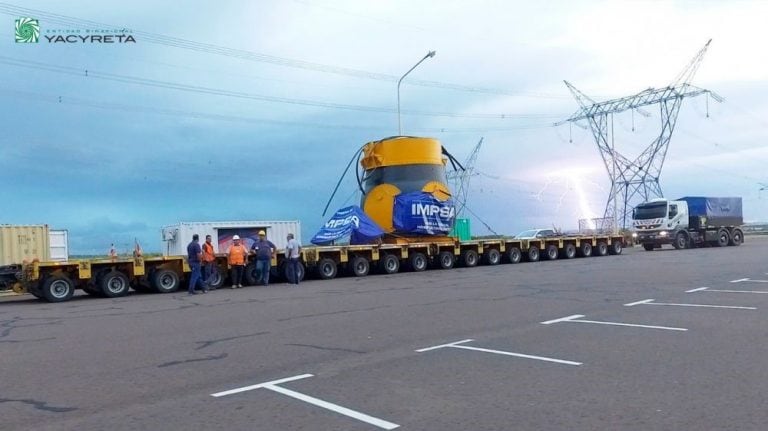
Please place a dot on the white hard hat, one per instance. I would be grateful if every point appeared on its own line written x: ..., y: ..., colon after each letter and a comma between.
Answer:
x: 236, y: 237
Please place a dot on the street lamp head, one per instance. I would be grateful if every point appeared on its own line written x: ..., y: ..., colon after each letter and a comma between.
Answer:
x: 431, y: 54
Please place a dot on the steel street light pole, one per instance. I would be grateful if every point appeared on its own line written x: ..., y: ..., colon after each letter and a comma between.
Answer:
x: 399, y: 123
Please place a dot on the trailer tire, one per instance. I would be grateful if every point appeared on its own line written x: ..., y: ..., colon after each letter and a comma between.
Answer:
x: 533, y: 254
x: 360, y: 266
x: 492, y: 257
x: 165, y: 281
x: 723, y: 238
x: 585, y: 249
x: 648, y: 247
x: 552, y: 252
x: 418, y: 261
x: 446, y: 260
x: 602, y: 248
x: 326, y: 268
x: 216, y: 280
x: 389, y: 264
x: 681, y: 241
x: 569, y: 251
x: 114, y: 284
x: 469, y: 258
x: 737, y: 237
x: 57, y: 288
x: 616, y: 248
x: 514, y: 255
x: 286, y: 270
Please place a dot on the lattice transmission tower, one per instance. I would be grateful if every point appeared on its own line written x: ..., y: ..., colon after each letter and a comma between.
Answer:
x: 636, y: 180
x: 460, y: 179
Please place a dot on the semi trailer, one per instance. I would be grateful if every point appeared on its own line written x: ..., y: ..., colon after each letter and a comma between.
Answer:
x: 691, y: 221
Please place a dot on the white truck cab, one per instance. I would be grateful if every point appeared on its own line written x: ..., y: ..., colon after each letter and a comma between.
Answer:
x: 661, y: 221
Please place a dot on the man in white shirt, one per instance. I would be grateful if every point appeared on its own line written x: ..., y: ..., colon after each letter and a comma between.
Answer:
x: 293, y: 255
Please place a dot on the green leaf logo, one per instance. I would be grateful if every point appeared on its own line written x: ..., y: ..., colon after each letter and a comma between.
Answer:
x: 27, y: 30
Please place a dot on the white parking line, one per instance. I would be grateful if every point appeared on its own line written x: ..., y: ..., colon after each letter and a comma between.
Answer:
x: 457, y: 345
x: 576, y: 318
x: 272, y: 386
x: 672, y: 304
x: 748, y: 280
x: 725, y: 290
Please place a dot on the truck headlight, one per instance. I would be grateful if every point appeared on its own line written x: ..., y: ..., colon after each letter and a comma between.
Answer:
x: 634, y: 234
x: 663, y: 233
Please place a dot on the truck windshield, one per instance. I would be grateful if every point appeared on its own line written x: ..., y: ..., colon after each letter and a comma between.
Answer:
x: 649, y: 211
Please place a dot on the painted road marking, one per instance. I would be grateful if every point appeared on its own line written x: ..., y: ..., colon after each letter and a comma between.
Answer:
x: 459, y: 345
x: 576, y: 318
x: 672, y: 304
x: 273, y: 386
x: 748, y: 280
x: 701, y: 289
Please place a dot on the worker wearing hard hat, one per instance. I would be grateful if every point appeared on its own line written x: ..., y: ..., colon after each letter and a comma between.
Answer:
x: 237, y: 257
x: 264, y: 251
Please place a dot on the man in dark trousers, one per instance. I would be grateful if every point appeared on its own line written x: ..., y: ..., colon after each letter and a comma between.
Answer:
x: 194, y: 253
x: 265, y: 251
x: 293, y: 256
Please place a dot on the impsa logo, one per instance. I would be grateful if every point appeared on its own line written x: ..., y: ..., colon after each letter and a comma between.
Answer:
x: 27, y: 30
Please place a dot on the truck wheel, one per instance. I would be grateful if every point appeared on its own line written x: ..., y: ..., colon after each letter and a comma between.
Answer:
x: 737, y: 237
x: 360, y: 266
x: 681, y: 241
x: 469, y: 258
x: 114, y: 284
x: 165, y: 281
x: 602, y: 248
x: 418, y: 261
x: 216, y: 280
x: 514, y: 255
x: 446, y: 259
x: 569, y: 251
x: 723, y: 238
x: 552, y: 252
x: 492, y: 257
x: 249, y: 274
x: 389, y: 264
x: 585, y: 249
x: 616, y: 248
x: 326, y: 268
x: 648, y: 247
x: 57, y: 288
x: 533, y: 254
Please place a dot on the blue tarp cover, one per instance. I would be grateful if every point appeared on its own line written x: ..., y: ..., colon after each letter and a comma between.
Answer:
x: 352, y: 222
x: 713, y: 207
x: 422, y: 213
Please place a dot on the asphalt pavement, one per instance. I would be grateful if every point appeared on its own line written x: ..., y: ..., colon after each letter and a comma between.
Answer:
x: 662, y: 340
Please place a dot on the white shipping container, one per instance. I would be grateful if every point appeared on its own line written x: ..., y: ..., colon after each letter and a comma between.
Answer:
x: 177, y: 236
x: 59, y: 245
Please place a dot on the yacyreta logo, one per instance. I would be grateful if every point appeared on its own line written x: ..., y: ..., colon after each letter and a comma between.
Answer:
x: 27, y: 30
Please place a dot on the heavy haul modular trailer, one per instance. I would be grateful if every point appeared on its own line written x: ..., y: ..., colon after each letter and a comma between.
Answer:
x: 57, y: 281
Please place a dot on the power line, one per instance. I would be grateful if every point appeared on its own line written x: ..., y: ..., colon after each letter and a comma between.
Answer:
x: 175, y: 42
x: 88, y: 73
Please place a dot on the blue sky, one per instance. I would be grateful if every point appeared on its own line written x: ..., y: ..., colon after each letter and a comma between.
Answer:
x: 107, y: 165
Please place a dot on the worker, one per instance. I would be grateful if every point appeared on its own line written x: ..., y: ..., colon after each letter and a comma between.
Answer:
x: 209, y: 262
x: 293, y: 255
x: 265, y: 251
x: 112, y: 251
x: 237, y: 257
x: 194, y: 253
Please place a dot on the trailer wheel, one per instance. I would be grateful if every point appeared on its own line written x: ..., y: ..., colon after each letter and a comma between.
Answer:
x: 602, y: 248
x: 389, y: 264
x: 681, y: 241
x: 360, y: 266
x: 114, y: 284
x: 585, y: 249
x: 723, y: 238
x: 616, y: 248
x: 216, y: 280
x: 165, y: 281
x: 648, y: 247
x: 552, y: 252
x: 492, y: 257
x: 446, y: 259
x: 533, y: 254
x: 737, y: 237
x: 418, y: 261
x: 287, y: 273
x: 569, y: 251
x: 514, y: 255
x: 326, y: 268
x: 469, y: 258
x: 57, y: 288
